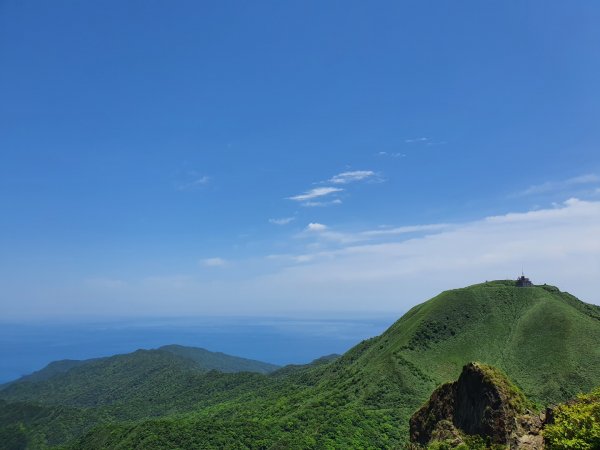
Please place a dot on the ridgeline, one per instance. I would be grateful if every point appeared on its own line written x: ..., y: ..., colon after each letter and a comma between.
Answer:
x: 545, y: 340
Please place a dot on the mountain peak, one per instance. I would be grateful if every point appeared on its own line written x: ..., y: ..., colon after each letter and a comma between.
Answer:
x: 482, y: 402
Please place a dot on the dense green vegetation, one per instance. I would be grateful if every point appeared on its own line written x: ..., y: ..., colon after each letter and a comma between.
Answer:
x: 150, y: 377
x: 576, y: 424
x: 207, y: 360
x: 202, y: 360
x: 52, y: 369
x: 543, y: 339
x: 54, y: 405
x: 470, y: 443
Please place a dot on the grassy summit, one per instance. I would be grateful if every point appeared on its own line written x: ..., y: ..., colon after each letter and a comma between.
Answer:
x: 545, y: 340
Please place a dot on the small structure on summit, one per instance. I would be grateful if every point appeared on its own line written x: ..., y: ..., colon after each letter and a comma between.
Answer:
x: 523, y: 281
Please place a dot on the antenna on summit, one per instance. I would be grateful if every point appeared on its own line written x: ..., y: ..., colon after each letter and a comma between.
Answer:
x: 523, y: 281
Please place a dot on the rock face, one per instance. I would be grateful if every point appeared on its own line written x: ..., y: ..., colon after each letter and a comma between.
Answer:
x: 481, y: 402
x: 438, y: 412
x: 483, y: 406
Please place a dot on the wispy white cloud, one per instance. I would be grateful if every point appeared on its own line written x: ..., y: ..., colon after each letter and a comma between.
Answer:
x: 315, y: 193
x: 316, y: 227
x: 323, y: 232
x: 392, y: 154
x: 315, y: 197
x: 557, y: 245
x: 562, y: 185
x: 406, y: 229
x: 424, y: 141
x: 335, y: 201
x: 194, y: 184
x: 289, y: 258
x: 282, y: 220
x: 352, y: 176
x: 214, y: 262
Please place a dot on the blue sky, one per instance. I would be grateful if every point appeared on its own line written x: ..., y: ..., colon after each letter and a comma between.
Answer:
x: 284, y: 157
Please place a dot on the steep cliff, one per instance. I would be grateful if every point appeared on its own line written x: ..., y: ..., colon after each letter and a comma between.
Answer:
x: 482, y: 402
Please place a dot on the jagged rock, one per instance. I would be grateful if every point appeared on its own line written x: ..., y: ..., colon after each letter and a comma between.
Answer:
x: 481, y: 402
x: 447, y: 432
x: 439, y: 409
x: 528, y: 432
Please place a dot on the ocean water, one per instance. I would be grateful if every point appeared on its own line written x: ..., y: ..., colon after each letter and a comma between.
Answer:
x: 25, y: 348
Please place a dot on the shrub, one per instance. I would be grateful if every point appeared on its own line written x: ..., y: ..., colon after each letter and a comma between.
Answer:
x: 576, y: 424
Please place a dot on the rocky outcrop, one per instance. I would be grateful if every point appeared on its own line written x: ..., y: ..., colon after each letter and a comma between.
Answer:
x: 436, y: 413
x: 481, y: 402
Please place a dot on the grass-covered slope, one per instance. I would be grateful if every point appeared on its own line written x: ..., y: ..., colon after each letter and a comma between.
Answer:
x: 546, y: 341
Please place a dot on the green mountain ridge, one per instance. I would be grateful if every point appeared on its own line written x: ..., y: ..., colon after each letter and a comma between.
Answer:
x: 545, y: 340
x: 52, y: 369
x: 92, y: 382
x: 205, y: 359
x: 222, y: 362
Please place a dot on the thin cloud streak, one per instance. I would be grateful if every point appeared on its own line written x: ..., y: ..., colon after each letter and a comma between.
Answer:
x: 214, y: 262
x: 196, y: 183
x: 392, y: 155
x: 315, y: 193
x: 557, y: 186
x: 324, y: 232
x: 336, y: 201
x: 406, y: 229
x: 351, y: 176
x: 282, y: 220
x: 559, y: 246
x: 424, y: 141
x: 312, y: 197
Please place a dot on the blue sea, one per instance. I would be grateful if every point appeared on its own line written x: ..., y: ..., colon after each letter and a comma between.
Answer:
x: 25, y: 348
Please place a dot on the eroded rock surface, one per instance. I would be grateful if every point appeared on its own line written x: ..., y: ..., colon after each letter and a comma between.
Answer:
x: 481, y: 402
